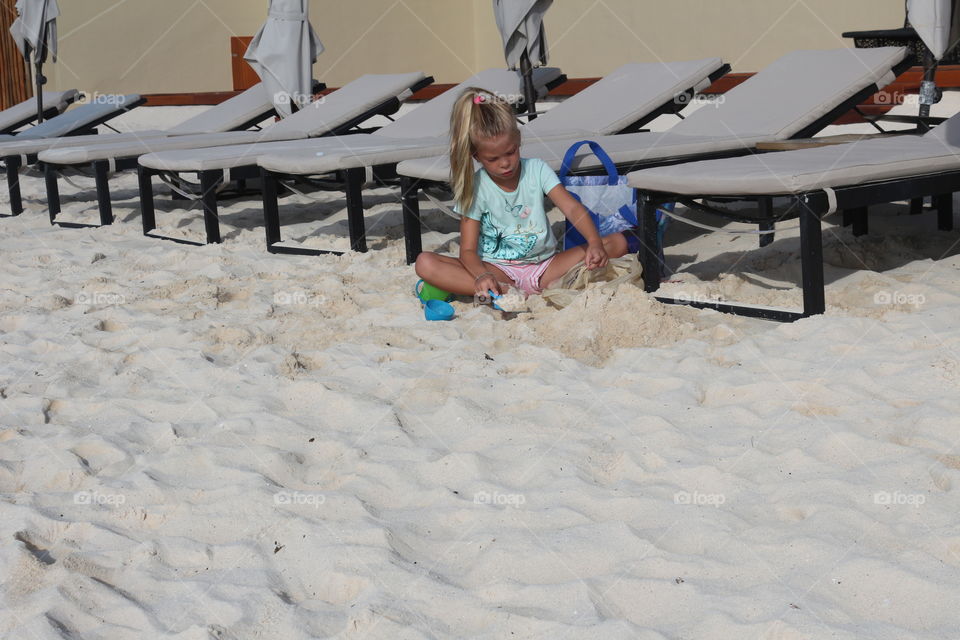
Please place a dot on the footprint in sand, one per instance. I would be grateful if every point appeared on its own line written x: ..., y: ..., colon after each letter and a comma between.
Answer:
x: 39, y: 553
x: 941, y: 473
x: 792, y: 514
x: 97, y: 455
x: 111, y: 326
x: 55, y: 303
x: 237, y: 340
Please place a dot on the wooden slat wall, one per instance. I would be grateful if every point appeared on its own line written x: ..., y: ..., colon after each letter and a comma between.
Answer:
x: 244, y: 76
x: 14, y: 83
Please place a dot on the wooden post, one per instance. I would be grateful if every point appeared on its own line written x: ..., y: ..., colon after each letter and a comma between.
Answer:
x: 244, y: 76
x: 14, y: 79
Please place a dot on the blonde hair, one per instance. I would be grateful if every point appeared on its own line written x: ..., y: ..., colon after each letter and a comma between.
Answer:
x: 477, y: 115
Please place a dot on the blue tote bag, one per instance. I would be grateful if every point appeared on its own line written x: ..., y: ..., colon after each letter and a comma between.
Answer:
x: 611, y: 203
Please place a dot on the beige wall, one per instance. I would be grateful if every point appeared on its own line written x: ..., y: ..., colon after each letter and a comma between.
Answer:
x: 154, y: 46
x: 589, y: 38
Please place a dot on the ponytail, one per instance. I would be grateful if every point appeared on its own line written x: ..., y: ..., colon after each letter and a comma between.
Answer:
x: 477, y: 115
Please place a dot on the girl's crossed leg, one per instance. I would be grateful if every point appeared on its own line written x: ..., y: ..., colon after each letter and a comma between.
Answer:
x: 449, y: 274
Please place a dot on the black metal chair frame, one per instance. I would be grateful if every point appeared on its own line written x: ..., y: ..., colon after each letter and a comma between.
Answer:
x: 14, y: 163
x: 211, y: 179
x: 810, y: 207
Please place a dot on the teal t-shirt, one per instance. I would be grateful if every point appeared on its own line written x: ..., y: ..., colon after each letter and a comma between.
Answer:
x: 514, y: 225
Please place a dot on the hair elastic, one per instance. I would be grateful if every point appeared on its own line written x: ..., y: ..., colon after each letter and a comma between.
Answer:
x: 477, y: 99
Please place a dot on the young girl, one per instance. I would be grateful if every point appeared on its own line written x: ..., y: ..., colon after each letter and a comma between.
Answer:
x: 505, y: 236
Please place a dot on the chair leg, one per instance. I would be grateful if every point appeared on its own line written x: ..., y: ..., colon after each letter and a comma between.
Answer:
x: 12, y: 164
x: 811, y: 261
x: 766, y: 239
x: 101, y: 173
x: 53, y: 191
x: 148, y: 216
x: 859, y: 220
x: 766, y: 212
x: 944, y: 204
x: 208, y: 188
x: 412, y: 230
x: 271, y: 208
x: 649, y: 247
x: 355, y: 222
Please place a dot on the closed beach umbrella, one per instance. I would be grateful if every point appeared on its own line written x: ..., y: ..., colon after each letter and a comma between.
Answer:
x: 35, y: 33
x: 283, y: 52
x: 524, y: 45
x: 937, y: 22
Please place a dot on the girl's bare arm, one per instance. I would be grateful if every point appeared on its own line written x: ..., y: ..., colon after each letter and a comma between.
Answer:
x: 579, y: 217
x: 469, y: 238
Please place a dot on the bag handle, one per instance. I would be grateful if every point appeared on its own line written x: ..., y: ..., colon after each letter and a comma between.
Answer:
x: 611, y: 169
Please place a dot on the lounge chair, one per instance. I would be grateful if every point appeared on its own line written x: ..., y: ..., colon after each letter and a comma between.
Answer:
x: 21, y: 150
x: 623, y: 101
x: 334, y: 114
x: 78, y: 127
x: 813, y: 182
x: 20, y: 115
x: 794, y: 97
x: 220, y: 165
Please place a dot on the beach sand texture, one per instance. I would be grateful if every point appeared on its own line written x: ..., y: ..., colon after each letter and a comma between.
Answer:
x: 216, y: 442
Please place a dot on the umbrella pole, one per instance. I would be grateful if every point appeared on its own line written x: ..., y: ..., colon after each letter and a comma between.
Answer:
x: 929, y: 94
x: 39, y: 91
x: 529, y: 93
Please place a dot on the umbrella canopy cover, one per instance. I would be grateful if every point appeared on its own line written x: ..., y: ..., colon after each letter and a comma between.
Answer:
x: 937, y: 22
x: 35, y: 30
x: 521, y: 26
x: 283, y: 52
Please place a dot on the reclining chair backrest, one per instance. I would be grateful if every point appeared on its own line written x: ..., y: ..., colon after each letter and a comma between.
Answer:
x: 794, y: 92
x: 432, y: 118
x: 624, y: 96
x: 239, y: 112
x: 347, y: 104
x: 83, y: 117
x: 26, y: 111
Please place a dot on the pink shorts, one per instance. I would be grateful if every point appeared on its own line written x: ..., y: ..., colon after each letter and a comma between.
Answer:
x: 526, y: 276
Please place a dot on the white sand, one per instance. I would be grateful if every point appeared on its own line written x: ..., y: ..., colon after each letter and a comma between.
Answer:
x: 215, y: 442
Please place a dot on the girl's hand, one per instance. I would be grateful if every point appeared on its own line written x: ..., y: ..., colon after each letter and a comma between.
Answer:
x: 484, y: 283
x: 596, y: 257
